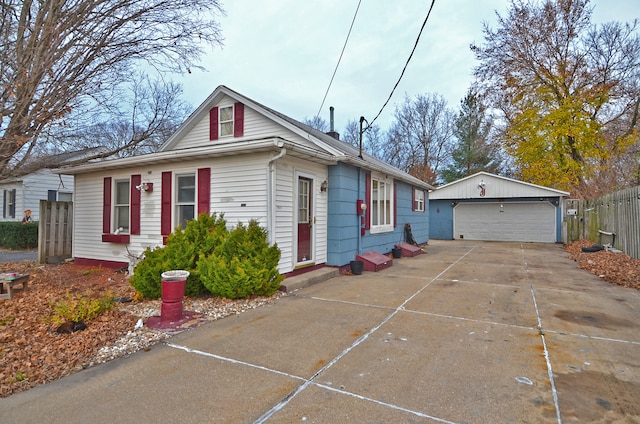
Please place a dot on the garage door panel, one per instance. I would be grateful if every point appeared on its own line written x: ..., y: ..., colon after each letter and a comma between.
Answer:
x: 529, y: 222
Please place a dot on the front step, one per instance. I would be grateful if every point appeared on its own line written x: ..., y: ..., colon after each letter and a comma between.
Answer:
x: 409, y: 250
x: 309, y: 278
x: 374, y: 261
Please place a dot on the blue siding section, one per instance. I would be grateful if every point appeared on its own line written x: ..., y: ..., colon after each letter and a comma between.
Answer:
x: 346, y: 186
x: 441, y: 215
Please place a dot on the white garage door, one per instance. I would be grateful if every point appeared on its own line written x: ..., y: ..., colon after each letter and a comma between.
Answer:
x: 533, y: 222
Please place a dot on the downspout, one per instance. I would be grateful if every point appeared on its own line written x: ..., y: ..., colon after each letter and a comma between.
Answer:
x: 271, y: 190
x: 359, y: 213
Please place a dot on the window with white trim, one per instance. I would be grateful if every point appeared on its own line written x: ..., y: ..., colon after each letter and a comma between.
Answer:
x: 226, y: 121
x: 121, y: 206
x: 418, y: 200
x: 185, y: 199
x: 381, y: 204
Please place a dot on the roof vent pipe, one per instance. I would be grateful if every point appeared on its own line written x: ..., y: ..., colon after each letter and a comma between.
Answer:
x: 332, y: 128
x: 332, y: 131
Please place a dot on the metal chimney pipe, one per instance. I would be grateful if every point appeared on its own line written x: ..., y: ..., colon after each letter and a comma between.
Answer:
x: 331, y: 109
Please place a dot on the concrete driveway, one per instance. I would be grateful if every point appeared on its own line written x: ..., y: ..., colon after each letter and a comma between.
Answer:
x: 470, y: 332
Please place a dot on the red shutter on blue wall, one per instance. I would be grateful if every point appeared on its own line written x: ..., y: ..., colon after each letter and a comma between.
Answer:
x: 367, y: 196
x: 413, y: 199
x: 204, y: 190
x: 136, y: 180
x: 213, y: 123
x: 165, y: 204
x: 238, y: 120
x: 424, y: 201
x: 106, y: 206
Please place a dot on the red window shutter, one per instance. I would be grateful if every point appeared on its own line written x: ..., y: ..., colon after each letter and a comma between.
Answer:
x: 165, y: 204
x: 136, y: 180
x: 413, y: 199
x: 213, y: 123
x: 395, y: 205
x: 106, y: 206
x: 238, y: 120
x: 424, y: 201
x: 367, y: 194
x: 204, y: 190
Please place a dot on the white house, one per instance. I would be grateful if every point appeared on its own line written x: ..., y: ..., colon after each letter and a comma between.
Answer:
x: 317, y: 198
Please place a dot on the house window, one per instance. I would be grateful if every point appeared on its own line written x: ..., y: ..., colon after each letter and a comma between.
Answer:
x: 418, y: 200
x: 121, y: 206
x: 65, y: 197
x: 185, y: 198
x: 226, y: 121
x: 9, y: 205
x: 381, y: 205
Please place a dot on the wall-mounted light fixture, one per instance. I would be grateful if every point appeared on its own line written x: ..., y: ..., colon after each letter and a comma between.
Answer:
x: 324, y: 186
x: 146, y: 187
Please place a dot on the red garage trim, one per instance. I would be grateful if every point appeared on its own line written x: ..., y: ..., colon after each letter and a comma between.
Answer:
x: 100, y: 262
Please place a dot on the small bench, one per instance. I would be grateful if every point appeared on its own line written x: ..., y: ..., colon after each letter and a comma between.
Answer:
x: 9, y: 281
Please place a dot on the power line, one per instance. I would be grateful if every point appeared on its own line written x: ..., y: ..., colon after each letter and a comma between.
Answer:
x: 405, y: 66
x: 339, y: 59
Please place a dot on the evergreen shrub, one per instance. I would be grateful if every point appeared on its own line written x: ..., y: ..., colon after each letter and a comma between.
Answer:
x: 183, y: 251
x: 243, y: 264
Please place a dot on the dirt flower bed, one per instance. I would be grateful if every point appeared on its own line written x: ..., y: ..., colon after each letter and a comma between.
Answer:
x: 32, y: 352
x: 615, y: 268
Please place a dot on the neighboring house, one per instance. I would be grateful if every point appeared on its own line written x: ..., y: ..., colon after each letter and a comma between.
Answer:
x: 318, y: 200
x: 485, y: 206
x: 19, y: 194
x: 25, y: 192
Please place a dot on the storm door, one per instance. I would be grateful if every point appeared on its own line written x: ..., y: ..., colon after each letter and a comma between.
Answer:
x: 305, y: 219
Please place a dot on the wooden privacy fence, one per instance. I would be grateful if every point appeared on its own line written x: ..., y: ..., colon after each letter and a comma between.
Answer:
x: 54, y: 231
x: 616, y: 213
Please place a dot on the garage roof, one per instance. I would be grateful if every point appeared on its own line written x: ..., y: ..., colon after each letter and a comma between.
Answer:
x: 486, y: 185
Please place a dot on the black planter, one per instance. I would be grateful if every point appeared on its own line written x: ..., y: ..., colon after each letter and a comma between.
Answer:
x: 356, y: 267
x: 396, y: 252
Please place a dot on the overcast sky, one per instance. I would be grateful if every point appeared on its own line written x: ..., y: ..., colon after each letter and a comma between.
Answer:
x: 282, y: 53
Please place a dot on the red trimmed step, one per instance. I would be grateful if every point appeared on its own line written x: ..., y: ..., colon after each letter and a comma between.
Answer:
x: 374, y: 261
x: 409, y: 249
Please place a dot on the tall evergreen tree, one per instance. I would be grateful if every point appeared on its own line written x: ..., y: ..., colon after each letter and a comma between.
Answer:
x: 473, y: 152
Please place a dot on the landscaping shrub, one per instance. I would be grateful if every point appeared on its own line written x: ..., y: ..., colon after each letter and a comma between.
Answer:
x: 242, y: 265
x: 182, y: 251
x: 16, y: 235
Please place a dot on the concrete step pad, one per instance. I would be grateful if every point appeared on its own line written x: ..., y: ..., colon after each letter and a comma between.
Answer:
x: 307, y: 279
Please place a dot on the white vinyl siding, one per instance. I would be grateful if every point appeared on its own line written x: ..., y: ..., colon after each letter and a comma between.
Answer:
x: 238, y: 189
x: 256, y: 126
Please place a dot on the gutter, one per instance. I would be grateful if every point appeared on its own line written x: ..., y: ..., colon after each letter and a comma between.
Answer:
x: 271, y: 190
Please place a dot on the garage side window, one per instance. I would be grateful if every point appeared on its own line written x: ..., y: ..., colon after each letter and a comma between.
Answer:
x: 9, y: 204
x: 121, y: 206
x: 381, y: 204
x: 185, y: 198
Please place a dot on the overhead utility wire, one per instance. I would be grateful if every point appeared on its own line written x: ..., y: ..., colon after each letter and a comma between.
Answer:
x: 403, y: 69
x: 339, y: 59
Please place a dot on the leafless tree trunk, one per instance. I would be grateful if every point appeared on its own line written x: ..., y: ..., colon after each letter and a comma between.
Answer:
x: 56, y: 53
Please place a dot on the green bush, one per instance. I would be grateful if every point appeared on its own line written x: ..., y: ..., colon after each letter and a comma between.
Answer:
x: 242, y: 265
x: 16, y: 235
x: 182, y: 251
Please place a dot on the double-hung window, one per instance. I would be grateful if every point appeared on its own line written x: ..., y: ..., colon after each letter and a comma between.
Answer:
x: 185, y: 198
x: 121, y: 206
x: 9, y: 204
x: 418, y: 200
x: 226, y: 121
x: 381, y: 204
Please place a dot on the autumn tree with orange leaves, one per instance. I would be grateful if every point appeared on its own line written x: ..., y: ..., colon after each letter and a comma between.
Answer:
x: 568, y: 92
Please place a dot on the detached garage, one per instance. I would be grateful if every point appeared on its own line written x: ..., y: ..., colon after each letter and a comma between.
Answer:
x: 488, y: 207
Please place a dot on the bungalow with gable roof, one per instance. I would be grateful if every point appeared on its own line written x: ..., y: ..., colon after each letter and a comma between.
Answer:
x: 317, y: 198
